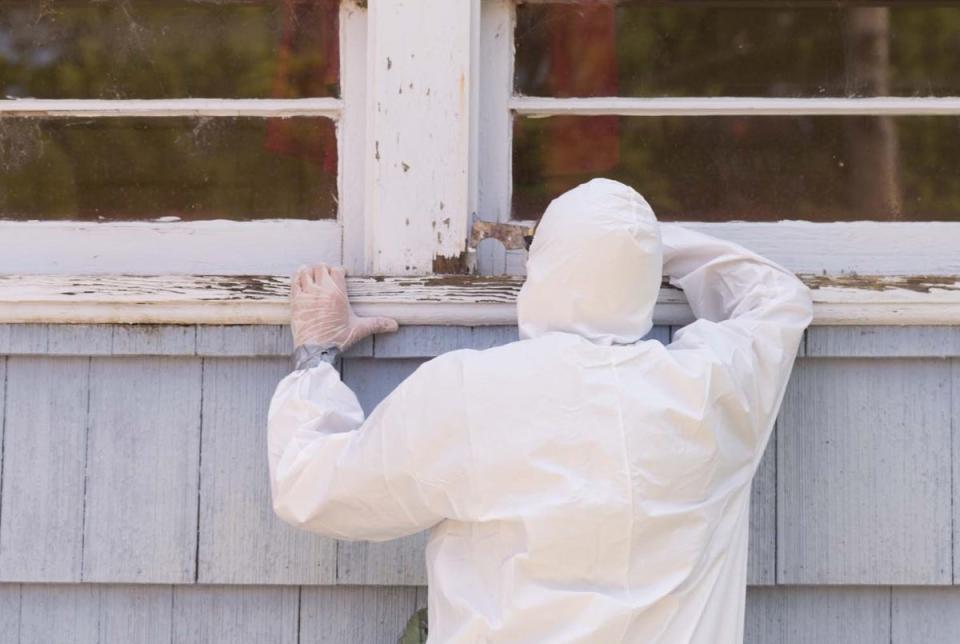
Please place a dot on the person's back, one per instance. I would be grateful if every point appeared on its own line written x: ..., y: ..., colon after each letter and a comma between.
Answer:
x: 582, y: 485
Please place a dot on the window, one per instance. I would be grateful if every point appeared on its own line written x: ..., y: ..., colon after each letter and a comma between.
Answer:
x: 728, y: 113
x: 182, y: 136
x: 247, y: 138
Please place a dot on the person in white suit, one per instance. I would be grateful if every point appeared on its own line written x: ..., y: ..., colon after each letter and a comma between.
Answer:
x: 581, y: 484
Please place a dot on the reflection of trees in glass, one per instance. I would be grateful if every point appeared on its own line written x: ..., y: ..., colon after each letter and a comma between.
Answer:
x: 175, y: 49
x: 192, y: 168
x: 673, y: 49
x: 873, y: 186
x: 760, y: 168
x: 763, y: 168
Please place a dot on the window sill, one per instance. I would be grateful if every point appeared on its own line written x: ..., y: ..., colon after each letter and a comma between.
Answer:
x: 442, y: 299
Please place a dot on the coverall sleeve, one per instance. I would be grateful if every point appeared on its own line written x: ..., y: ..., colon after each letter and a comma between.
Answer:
x: 752, y: 315
x: 336, y: 474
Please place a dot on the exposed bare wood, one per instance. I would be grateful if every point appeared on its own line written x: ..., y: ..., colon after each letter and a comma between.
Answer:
x: 442, y: 299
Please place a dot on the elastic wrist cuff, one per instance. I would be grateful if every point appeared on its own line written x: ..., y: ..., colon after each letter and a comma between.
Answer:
x: 308, y: 356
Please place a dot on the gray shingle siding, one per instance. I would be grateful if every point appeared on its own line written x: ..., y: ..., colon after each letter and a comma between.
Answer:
x: 134, y: 503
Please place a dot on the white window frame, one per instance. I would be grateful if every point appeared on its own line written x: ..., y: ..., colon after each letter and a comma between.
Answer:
x: 430, y: 149
x: 866, y: 248
x: 267, y: 246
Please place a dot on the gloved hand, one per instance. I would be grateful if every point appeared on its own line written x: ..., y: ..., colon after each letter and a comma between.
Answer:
x: 320, y: 313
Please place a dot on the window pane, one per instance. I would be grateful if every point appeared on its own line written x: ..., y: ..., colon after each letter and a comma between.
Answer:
x: 761, y: 168
x: 786, y: 49
x: 171, y: 49
x: 192, y: 168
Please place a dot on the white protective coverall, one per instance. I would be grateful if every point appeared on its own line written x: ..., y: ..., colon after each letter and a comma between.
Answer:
x: 581, y: 485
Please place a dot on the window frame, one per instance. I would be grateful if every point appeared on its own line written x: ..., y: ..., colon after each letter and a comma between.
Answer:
x: 263, y: 246
x: 877, y: 249
x: 402, y: 155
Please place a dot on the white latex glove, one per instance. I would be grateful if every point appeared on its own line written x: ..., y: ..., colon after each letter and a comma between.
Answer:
x: 320, y: 314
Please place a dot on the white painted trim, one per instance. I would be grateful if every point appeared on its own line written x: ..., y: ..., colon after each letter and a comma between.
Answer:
x: 223, y: 247
x: 273, y: 247
x: 411, y: 300
x: 97, y: 108
x: 261, y: 247
x: 351, y: 133
x: 728, y: 106
x: 858, y: 247
x: 495, y: 140
x: 838, y: 248
x: 419, y: 85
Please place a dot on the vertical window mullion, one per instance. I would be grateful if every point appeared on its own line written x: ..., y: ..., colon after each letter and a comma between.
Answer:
x: 421, y: 71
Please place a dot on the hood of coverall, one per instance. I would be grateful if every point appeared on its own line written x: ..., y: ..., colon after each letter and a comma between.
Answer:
x: 595, y: 266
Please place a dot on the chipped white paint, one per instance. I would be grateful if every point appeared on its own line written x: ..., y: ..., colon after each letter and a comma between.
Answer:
x: 101, y: 108
x: 419, y: 93
x: 720, y: 106
x: 450, y: 300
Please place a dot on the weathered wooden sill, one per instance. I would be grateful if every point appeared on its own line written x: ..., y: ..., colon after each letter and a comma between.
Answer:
x: 441, y: 299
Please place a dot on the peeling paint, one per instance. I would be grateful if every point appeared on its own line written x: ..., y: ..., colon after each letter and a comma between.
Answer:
x: 455, y: 265
x: 916, y: 283
x: 512, y: 236
x: 406, y: 168
x: 446, y: 298
x: 505, y: 283
x: 389, y: 63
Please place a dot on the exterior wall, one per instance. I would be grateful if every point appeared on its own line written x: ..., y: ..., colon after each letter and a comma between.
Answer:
x: 134, y: 503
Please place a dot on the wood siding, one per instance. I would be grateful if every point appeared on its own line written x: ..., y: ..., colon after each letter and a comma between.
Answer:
x: 134, y: 457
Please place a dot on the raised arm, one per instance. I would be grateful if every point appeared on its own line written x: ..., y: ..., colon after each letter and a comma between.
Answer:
x: 752, y: 314
x: 331, y: 471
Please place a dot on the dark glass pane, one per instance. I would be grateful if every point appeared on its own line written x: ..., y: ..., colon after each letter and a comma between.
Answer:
x: 786, y: 49
x: 192, y: 168
x: 760, y: 168
x: 172, y: 49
